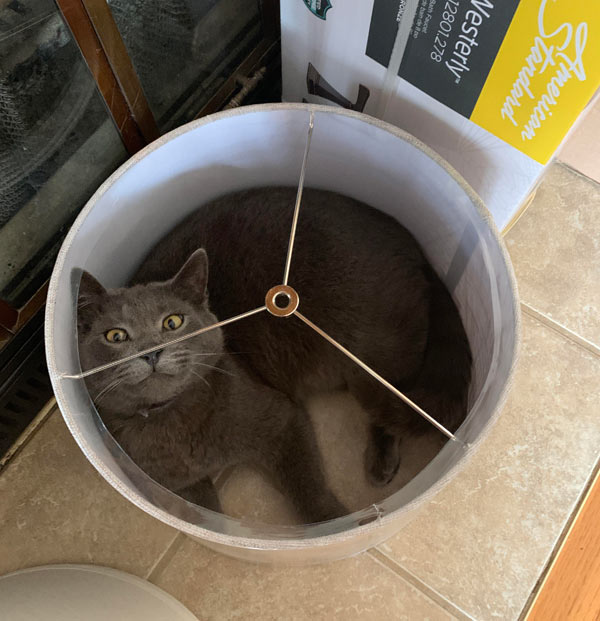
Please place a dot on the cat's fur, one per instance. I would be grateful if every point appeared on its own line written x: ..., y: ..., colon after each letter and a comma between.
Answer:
x: 361, y: 277
x: 193, y: 410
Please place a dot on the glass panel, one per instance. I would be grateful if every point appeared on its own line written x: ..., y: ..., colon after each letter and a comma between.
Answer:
x: 18, y: 14
x: 57, y: 143
x: 184, y: 50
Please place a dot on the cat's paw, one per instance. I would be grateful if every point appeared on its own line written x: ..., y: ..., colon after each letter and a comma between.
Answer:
x: 382, y: 461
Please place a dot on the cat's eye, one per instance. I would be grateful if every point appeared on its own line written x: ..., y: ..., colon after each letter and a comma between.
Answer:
x: 172, y: 322
x: 116, y: 335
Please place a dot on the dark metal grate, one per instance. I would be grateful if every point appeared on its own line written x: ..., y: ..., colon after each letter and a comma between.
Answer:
x: 24, y: 392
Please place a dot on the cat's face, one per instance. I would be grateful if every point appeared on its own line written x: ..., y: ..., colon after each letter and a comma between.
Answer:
x: 115, y: 323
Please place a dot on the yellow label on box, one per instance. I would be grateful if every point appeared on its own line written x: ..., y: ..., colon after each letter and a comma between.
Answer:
x: 522, y: 69
x: 545, y: 72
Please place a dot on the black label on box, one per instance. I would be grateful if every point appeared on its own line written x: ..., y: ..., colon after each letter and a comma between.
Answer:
x: 452, y: 45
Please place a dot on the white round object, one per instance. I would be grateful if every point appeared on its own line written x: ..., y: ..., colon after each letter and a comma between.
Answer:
x: 352, y: 154
x: 77, y: 592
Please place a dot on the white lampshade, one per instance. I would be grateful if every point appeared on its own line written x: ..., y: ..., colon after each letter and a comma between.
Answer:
x: 263, y: 145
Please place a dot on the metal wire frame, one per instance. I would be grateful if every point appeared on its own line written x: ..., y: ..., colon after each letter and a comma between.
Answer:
x: 291, y: 309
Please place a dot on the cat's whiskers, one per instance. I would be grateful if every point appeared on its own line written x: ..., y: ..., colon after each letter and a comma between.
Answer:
x: 118, y: 379
x: 173, y: 358
x: 189, y: 358
x: 210, y: 366
x: 221, y: 353
x: 107, y: 389
x: 191, y: 354
x: 202, y: 378
x: 186, y: 354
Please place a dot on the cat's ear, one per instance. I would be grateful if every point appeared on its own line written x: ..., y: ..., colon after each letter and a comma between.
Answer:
x: 90, y: 290
x: 91, y: 293
x: 192, y: 278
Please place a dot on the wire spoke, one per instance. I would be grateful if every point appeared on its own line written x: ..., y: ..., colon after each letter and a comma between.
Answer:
x: 180, y: 339
x: 378, y: 377
x: 300, y: 316
x: 288, y: 261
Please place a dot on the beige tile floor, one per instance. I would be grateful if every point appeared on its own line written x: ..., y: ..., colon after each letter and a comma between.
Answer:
x: 475, y: 552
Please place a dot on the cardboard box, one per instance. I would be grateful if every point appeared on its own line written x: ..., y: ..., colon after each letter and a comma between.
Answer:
x: 493, y: 86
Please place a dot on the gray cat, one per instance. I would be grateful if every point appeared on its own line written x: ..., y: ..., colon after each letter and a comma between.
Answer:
x: 191, y: 409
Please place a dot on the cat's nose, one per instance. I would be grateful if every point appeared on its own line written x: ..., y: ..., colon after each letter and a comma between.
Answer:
x: 152, y: 358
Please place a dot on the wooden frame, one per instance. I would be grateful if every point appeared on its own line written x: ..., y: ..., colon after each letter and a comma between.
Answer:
x: 570, y: 589
x: 96, y: 33
x: 84, y: 34
x: 13, y: 319
x: 121, y: 65
x: 114, y: 48
x: 9, y: 316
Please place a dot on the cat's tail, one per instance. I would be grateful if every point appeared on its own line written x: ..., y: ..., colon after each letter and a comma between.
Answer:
x: 442, y: 385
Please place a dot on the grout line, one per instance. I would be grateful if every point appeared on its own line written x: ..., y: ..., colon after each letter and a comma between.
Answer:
x: 561, y: 541
x: 34, y: 426
x: 383, y: 559
x: 563, y: 330
x: 165, y: 558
